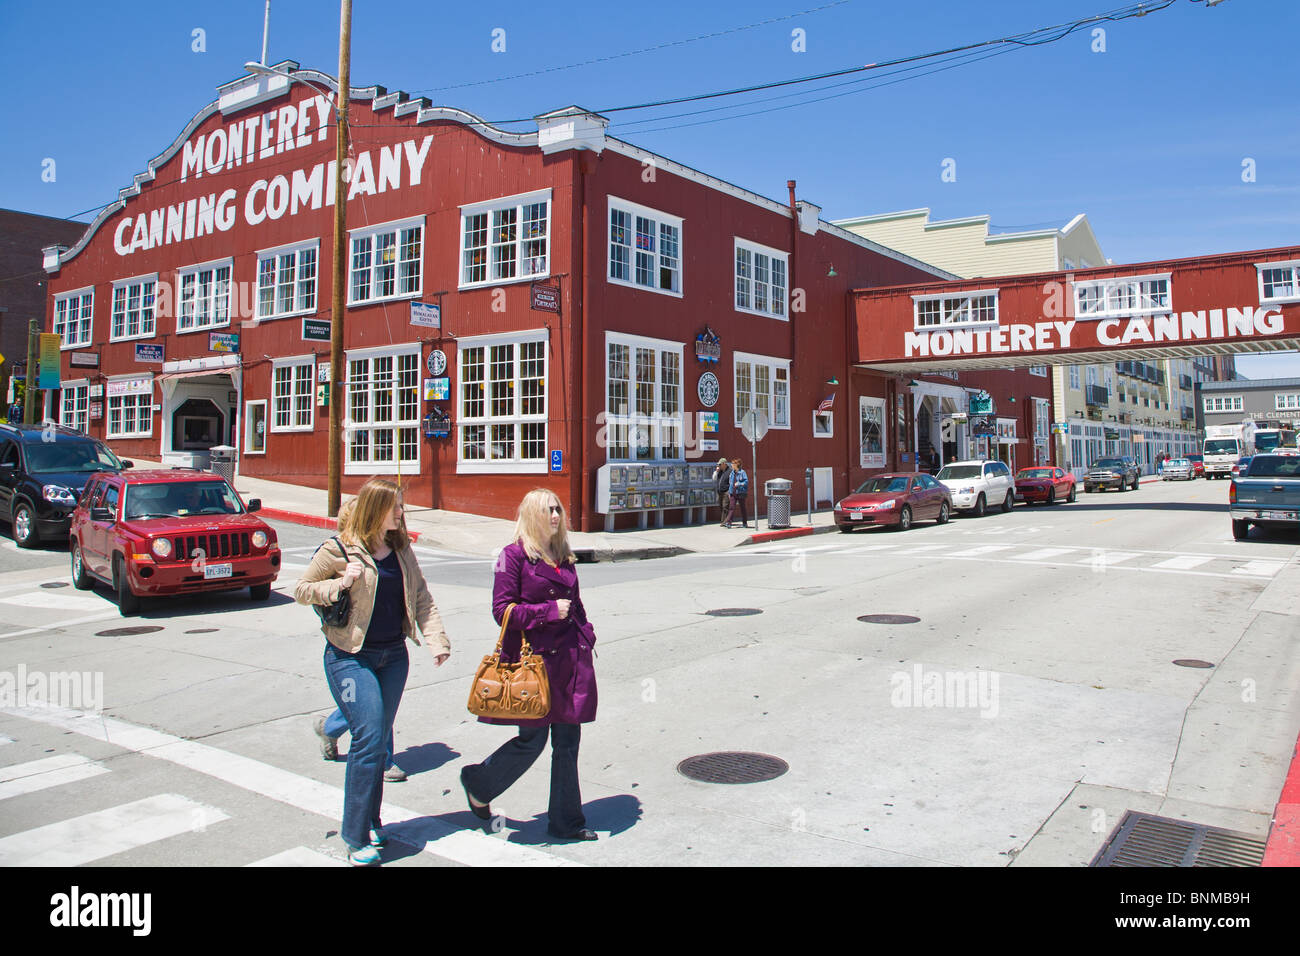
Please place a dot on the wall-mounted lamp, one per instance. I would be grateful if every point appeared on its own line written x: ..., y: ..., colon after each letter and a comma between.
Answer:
x: 1012, y: 399
x: 913, y: 384
x: 832, y: 273
x: 832, y: 381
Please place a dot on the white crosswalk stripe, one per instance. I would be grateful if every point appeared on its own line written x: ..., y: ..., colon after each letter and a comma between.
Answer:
x: 1261, y: 568
x: 1108, y: 558
x: 1184, y: 562
x: 5, y: 740
x: 22, y: 778
x: 1044, y: 554
x: 93, y: 836
x: 985, y: 549
x: 299, y: 856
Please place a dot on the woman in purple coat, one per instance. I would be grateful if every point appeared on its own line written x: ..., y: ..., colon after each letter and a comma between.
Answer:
x: 537, y: 574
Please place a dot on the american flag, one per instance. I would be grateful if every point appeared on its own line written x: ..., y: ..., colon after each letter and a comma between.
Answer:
x: 827, y: 403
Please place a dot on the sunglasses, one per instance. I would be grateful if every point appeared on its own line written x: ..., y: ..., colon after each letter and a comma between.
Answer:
x: 556, y: 509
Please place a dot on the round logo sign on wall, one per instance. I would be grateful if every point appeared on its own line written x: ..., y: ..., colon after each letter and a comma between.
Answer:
x: 437, y: 362
x: 708, y: 389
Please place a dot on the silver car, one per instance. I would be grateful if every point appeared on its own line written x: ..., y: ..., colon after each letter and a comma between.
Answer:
x: 1176, y: 468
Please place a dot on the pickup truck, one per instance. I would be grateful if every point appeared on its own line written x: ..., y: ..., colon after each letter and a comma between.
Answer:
x: 1268, y: 494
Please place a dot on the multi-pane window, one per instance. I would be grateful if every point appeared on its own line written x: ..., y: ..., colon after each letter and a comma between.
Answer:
x: 1074, y: 377
x: 133, y: 308
x: 130, y: 416
x: 506, y: 239
x: 1132, y: 295
x: 204, y: 300
x: 386, y: 262
x: 74, y: 410
x: 966, y: 308
x: 286, y: 281
x: 503, y: 401
x: 1279, y: 281
x: 760, y: 279
x: 643, y: 408
x: 1287, y: 402
x: 383, y: 410
x: 1224, y: 403
x: 763, y: 383
x: 645, y: 247
x: 72, y: 317
x: 291, y: 394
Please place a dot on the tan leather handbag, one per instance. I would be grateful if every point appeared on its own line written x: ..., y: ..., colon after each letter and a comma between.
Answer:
x: 518, y: 691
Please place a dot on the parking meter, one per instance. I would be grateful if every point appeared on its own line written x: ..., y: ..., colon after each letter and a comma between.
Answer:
x: 807, y: 491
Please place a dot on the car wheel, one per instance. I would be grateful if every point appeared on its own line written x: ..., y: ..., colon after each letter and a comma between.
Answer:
x: 259, y: 592
x: 24, y: 527
x: 944, y: 513
x: 1240, y: 529
x: 1008, y: 502
x: 981, y: 507
x: 1074, y: 494
x: 80, y: 579
x: 845, y: 529
x: 904, y: 518
x: 128, y: 602
x: 1135, y: 483
x: 1051, y: 497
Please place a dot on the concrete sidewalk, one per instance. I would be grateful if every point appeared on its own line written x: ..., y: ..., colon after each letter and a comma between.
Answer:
x: 481, y: 536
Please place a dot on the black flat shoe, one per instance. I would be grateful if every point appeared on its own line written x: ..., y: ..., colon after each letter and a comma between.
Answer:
x: 578, y: 835
x: 482, y: 812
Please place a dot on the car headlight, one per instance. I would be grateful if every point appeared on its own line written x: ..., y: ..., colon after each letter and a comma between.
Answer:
x: 886, y: 505
x: 966, y: 491
x: 162, y: 547
x: 259, y: 539
x: 60, y: 495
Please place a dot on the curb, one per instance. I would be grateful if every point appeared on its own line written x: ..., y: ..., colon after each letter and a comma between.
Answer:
x: 595, y: 555
x: 311, y: 521
x: 1283, y: 847
x: 800, y: 532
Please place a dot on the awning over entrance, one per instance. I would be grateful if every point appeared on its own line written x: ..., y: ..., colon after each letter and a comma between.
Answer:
x: 195, y: 373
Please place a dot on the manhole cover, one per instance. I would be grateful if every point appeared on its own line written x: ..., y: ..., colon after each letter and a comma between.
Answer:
x: 128, y: 631
x: 1142, y: 839
x: 732, y: 767
x: 55, y: 584
x: 1186, y: 662
x: 889, y: 619
x: 203, y: 630
x: 733, y: 611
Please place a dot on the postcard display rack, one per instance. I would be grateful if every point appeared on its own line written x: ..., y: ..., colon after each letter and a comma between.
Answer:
x: 653, y: 489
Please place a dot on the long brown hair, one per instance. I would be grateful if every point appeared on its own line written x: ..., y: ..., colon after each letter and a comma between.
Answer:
x: 362, y: 527
x: 533, y: 529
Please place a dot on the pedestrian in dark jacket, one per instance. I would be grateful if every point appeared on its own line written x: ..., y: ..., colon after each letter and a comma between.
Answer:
x: 737, y: 489
x: 538, y: 575
x: 722, y: 485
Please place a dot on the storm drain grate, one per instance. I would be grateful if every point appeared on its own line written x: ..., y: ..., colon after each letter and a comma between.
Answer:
x: 1142, y: 839
x: 733, y: 611
x: 732, y: 767
x: 128, y: 631
x: 1191, y: 662
x: 888, y: 619
x: 55, y: 584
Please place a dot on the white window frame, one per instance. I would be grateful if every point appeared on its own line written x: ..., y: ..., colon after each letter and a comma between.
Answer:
x: 517, y: 419
x: 1215, y: 404
x: 138, y: 283
x: 1130, y: 287
x: 143, y: 402
x: 300, y: 293
x: 85, y: 299
x: 953, y: 306
x: 182, y: 301
x: 295, y: 380
x: 75, y: 393
x: 408, y: 466
x: 1074, y: 378
x: 372, y: 233
x: 1040, y: 370
x: 248, y: 425
x: 658, y: 420
x: 775, y: 310
x: 772, y: 364
x: 488, y: 208
x: 1286, y: 402
x: 659, y: 219
x: 1294, y: 266
x: 829, y: 419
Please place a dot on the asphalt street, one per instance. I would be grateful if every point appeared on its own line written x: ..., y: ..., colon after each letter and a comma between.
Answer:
x: 1024, y: 696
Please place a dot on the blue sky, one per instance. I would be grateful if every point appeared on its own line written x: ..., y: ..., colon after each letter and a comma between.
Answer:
x: 1148, y: 137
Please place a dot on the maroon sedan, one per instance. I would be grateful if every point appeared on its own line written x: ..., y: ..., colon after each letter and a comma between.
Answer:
x: 1046, y: 484
x: 896, y: 501
x: 1198, y: 465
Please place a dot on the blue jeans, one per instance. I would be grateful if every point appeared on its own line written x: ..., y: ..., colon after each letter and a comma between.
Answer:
x: 336, y: 725
x: 367, y: 686
x: 494, y: 776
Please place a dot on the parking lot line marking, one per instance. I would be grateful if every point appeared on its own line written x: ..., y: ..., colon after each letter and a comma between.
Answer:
x: 297, y: 857
x: 1260, y: 568
x: 1184, y: 562
x: 471, y: 847
x: 49, y: 772
x: 1042, y: 554
x: 93, y: 836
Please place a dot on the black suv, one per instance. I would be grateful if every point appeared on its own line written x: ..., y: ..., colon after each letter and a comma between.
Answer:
x: 1115, y: 472
x: 43, y: 469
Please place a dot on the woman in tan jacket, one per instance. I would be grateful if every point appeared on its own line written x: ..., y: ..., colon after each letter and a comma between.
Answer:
x: 365, y: 659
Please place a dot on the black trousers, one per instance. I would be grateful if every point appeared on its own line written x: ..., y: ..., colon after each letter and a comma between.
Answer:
x: 495, y: 775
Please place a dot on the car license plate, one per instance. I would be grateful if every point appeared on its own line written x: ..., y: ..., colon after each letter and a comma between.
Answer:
x: 211, y: 571
x: 1279, y: 515
x: 855, y: 515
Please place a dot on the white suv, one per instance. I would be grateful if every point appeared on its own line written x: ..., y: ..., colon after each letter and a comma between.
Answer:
x: 977, y: 485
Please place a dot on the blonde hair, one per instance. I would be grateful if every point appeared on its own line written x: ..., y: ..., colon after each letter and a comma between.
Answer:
x: 533, y: 529
x: 361, y: 521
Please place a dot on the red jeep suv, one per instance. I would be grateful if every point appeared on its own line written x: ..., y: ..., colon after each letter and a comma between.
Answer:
x: 169, y: 532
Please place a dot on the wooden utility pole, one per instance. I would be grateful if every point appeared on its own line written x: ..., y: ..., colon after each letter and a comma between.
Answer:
x: 340, y: 261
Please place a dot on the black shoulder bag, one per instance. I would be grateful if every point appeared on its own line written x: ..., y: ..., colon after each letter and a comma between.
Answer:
x: 337, y: 614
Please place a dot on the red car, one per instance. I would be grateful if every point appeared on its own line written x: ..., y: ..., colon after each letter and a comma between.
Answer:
x: 1046, y: 484
x: 1198, y: 465
x: 895, y: 500
x: 169, y: 532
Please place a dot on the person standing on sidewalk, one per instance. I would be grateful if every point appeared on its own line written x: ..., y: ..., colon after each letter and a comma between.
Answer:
x: 538, y: 575
x: 737, y: 488
x: 365, y: 659
x: 721, y: 482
